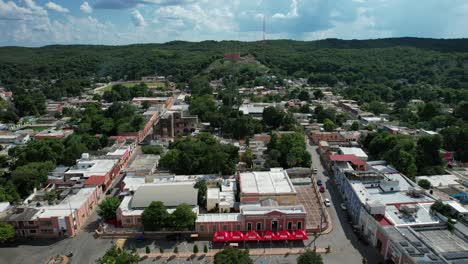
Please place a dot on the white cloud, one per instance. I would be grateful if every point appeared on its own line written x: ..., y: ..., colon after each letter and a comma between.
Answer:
x: 125, y: 4
x: 38, y: 10
x: 10, y: 11
x: 138, y: 19
x: 291, y: 13
x: 56, y: 7
x: 86, y: 8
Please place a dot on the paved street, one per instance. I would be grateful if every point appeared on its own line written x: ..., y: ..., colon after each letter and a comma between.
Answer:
x: 346, y: 248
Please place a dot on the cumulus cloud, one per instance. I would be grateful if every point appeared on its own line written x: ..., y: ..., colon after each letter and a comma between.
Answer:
x: 124, y: 4
x: 138, y: 19
x: 38, y: 10
x: 86, y: 8
x: 10, y: 11
x: 56, y: 7
x: 291, y: 13
x: 23, y: 22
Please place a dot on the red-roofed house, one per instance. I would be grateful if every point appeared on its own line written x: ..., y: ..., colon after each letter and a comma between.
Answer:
x: 95, y: 181
x: 356, y: 163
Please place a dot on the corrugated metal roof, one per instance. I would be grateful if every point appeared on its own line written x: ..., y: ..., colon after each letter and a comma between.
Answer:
x: 171, y: 195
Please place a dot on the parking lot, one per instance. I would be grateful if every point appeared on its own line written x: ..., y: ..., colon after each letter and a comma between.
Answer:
x: 309, y: 199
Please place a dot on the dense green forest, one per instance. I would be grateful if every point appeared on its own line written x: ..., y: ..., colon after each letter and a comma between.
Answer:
x: 389, y: 70
x: 387, y: 64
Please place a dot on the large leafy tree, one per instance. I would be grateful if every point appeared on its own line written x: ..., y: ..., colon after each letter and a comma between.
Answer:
x: 461, y: 110
x: 183, y: 217
x: 232, y: 255
x: 288, y: 150
x: 32, y: 175
x: 309, y: 257
x: 455, y: 138
x: 155, y: 217
x: 202, y: 106
x: 8, y: 192
x: 115, y: 255
x: 428, y: 157
x: 273, y: 116
x: 200, y: 154
x: 6, y: 231
x: 328, y: 125
x: 108, y: 208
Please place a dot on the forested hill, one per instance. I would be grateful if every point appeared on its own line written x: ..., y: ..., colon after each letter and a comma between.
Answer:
x: 447, y: 45
x: 362, y: 64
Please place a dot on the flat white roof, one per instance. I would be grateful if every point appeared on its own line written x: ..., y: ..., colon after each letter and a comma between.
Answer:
x: 71, y: 202
x: 97, y: 167
x: 252, y: 109
x: 358, y: 152
x: 4, y: 206
x: 376, y: 194
x: 440, y: 180
x: 422, y: 217
x: 117, y: 152
x: 274, y: 181
x: 457, y: 206
x: 212, y: 193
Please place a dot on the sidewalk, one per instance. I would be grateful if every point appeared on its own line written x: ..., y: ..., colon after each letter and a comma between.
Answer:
x: 252, y: 252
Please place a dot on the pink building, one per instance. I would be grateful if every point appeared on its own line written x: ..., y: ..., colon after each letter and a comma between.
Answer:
x: 253, y: 218
x: 50, y: 221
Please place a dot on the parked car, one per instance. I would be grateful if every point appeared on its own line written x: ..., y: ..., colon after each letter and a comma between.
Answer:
x: 343, y: 207
x: 322, y: 189
x: 319, y: 183
x: 314, y: 171
x: 327, y: 202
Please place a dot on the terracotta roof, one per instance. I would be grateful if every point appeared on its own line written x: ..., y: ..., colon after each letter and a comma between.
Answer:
x: 95, y: 180
x: 349, y: 157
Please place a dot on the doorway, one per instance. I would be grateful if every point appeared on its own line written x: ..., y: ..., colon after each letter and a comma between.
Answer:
x: 274, y: 225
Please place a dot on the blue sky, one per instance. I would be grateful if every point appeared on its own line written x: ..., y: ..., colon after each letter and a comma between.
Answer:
x: 116, y: 22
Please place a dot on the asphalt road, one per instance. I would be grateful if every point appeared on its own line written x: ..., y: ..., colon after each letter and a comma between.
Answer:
x: 345, y: 246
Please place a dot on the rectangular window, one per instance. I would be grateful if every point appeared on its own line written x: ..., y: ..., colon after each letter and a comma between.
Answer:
x: 138, y: 220
x: 47, y: 231
x: 32, y: 231
x: 202, y: 228
x: 238, y: 228
x: 249, y: 226
x: 31, y: 222
x: 214, y: 228
x: 299, y: 225
x: 259, y: 226
x: 128, y: 220
x: 289, y: 225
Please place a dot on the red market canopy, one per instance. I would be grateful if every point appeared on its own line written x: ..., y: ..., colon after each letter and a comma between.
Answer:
x: 252, y: 236
x: 268, y: 236
x: 283, y: 235
x: 220, y: 237
x: 236, y: 236
x: 299, y: 235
